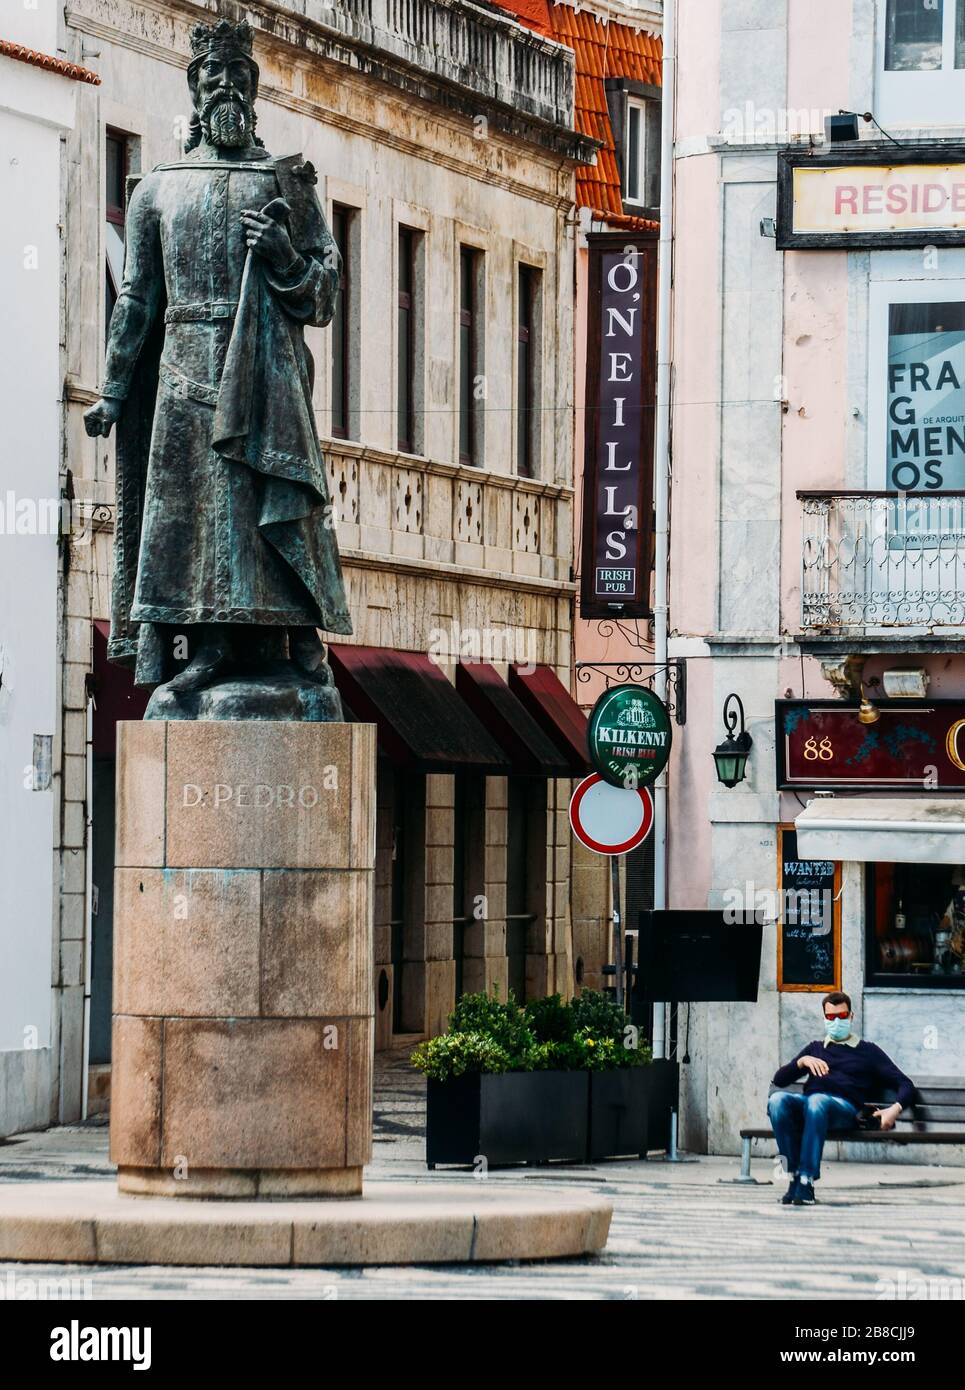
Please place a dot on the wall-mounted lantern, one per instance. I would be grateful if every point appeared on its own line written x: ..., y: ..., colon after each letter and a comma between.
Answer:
x: 731, y: 755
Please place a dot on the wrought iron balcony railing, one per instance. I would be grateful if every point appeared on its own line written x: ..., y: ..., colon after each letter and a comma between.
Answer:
x: 882, y: 560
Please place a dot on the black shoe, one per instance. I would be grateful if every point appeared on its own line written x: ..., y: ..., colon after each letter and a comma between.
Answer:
x: 804, y: 1197
x: 790, y: 1194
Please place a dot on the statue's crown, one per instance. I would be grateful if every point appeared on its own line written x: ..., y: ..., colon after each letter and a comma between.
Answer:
x: 223, y: 37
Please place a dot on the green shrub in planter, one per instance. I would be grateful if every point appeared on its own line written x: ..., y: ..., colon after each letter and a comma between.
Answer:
x: 459, y: 1054
x: 598, y: 1017
x: 587, y: 1091
x: 608, y: 1054
x: 488, y: 1036
x: 551, y: 1056
x: 550, y: 1020
x: 506, y: 1024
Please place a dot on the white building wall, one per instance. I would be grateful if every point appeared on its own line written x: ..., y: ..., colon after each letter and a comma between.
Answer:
x: 35, y: 107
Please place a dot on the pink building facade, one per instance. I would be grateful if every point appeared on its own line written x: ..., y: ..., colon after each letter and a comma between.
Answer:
x: 814, y: 556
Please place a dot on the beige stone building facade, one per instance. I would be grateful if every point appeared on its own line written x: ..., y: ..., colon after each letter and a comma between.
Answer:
x: 443, y: 137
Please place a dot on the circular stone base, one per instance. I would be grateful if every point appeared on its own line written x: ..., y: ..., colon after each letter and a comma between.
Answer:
x: 235, y: 1183
x: 90, y: 1222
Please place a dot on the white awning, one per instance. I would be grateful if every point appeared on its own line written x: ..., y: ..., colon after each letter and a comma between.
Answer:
x: 888, y: 830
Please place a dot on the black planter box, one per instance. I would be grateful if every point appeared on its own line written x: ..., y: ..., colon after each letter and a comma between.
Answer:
x: 516, y: 1117
x: 630, y: 1110
x: 537, y: 1116
x: 618, y: 1113
x: 663, y: 1096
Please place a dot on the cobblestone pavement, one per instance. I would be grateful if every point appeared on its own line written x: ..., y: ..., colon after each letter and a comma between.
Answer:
x: 679, y: 1231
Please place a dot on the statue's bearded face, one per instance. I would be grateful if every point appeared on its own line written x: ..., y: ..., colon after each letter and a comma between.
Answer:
x: 225, y: 101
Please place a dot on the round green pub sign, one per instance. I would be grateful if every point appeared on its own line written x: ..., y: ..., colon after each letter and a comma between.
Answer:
x: 629, y: 736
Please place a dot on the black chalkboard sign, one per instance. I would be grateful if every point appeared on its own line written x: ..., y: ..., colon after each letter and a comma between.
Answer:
x: 809, y: 925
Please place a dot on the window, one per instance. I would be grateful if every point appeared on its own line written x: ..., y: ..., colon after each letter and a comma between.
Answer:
x: 397, y: 896
x: 518, y: 916
x: 634, y: 110
x: 526, y: 831
x: 636, y: 152
x: 921, y: 77
x: 926, y: 385
x: 408, y: 394
x: 116, y: 166
x: 527, y: 369
x: 468, y: 865
x: 913, y: 36
x: 459, y: 848
x: 400, y: 889
x: 470, y: 354
x: 916, y: 925
x: 916, y: 434
x: 344, y: 337
x: 904, y: 555
x: 116, y: 171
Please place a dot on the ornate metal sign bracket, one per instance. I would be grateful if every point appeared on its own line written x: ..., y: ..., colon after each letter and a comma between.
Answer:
x: 642, y: 673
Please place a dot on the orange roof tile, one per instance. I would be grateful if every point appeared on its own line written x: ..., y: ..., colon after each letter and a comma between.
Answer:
x: 22, y: 54
x: 603, y: 48
x: 535, y: 14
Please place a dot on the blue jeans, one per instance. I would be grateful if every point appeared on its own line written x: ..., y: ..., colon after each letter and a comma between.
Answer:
x: 801, y: 1125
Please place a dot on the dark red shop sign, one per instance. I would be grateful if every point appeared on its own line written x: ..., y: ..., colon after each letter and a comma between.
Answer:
x: 914, y: 745
x: 617, y: 544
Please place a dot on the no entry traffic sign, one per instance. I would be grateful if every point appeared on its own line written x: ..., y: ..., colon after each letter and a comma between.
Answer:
x: 608, y: 819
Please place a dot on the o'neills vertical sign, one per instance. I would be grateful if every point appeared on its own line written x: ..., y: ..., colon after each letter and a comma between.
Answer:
x: 618, y: 470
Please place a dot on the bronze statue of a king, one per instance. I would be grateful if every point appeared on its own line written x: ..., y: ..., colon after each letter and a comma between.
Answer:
x: 226, y: 562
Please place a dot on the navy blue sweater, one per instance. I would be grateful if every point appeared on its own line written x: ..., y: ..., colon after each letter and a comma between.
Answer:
x: 857, y: 1074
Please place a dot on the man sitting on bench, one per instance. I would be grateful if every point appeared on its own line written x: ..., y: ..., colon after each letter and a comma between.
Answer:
x: 843, y: 1071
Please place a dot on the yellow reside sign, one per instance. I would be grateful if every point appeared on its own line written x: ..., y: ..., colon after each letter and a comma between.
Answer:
x: 879, y: 198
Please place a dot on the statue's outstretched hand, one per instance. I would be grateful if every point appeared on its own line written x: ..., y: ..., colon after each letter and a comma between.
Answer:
x: 102, y: 416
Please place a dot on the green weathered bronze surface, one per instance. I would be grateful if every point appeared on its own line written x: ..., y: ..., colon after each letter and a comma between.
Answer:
x: 226, y: 561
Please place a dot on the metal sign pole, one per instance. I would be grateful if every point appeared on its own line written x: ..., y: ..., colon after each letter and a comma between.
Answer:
x: 617, y: 925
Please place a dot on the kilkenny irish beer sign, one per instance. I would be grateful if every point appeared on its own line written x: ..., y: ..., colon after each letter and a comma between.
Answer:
x: 629, y: 736
x: 913, y: 745
x: 618, y: 470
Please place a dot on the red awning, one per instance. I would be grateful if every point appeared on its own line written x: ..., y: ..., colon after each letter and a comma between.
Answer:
x: 506, y: 718
x: 423, y: 723
x: 547, y: 699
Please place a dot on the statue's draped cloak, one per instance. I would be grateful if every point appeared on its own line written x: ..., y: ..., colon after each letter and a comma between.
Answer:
x: 223, y: 510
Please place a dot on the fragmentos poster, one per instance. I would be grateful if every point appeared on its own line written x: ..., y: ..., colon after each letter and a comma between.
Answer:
x: 926, y: 397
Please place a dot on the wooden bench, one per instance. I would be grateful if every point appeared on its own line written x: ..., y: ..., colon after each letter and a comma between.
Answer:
x: 932, y: 1117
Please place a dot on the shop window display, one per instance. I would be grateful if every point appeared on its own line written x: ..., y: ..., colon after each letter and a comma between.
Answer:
x: 916, y: 914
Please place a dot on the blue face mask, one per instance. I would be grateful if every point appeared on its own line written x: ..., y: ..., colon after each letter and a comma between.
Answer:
x: 838, y: 1028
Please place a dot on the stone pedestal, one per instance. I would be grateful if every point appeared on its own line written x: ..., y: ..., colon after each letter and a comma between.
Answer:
x: 243, y: 996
